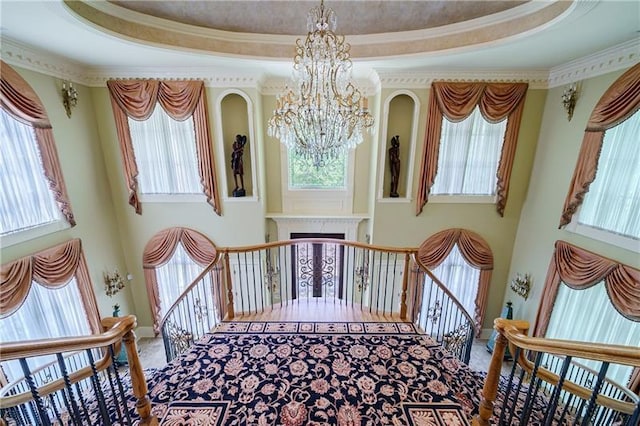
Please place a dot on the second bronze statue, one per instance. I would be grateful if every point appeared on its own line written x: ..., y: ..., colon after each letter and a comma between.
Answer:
x: 237, y: 165
x: 394, y: 165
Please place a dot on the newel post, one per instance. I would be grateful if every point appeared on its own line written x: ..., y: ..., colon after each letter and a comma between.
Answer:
x: 227, y: 268
x: 138, y: 381
x: 490, y: 388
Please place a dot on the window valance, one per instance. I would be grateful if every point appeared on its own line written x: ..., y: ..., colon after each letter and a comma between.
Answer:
x: 181, y: 100
x: 456, y: 101
x: 52, y: 268
x: 580, y: 269
x: 159, y: 251
x: 618, y: 103
x: 475, y: 251
x: 20, y: 101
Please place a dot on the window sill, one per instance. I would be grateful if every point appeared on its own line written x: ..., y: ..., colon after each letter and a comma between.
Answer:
x: 617, y: 240
x: 33, y: 233
x: 173, y: 198
x: 462, y: 199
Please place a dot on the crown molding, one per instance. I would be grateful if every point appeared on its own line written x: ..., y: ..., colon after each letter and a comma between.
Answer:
x: 537, y: 79
x: 622, y: 56
x: 21, y: 55
x: 612, y: 59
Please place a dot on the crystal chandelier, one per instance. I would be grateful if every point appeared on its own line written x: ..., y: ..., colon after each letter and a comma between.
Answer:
x: 323, y: 114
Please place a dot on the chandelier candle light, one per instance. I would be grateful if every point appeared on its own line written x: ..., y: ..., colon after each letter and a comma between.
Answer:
x: 323, y: 114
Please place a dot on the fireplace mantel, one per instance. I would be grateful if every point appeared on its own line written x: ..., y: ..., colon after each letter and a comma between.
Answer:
x: 288, y: 224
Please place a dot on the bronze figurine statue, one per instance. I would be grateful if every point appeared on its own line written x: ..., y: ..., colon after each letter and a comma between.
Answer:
x: 237, y: 166
x: 394, y: 165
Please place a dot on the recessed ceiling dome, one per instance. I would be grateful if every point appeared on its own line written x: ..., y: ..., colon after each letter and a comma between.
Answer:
x: 267, y: 29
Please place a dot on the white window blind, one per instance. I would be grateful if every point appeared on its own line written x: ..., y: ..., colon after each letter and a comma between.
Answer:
x: 25, y: 198
x: 45, y: 313
x: 165, y: 152
x: 469, y: 155
x: 588, y: 315
x: 613, y: 201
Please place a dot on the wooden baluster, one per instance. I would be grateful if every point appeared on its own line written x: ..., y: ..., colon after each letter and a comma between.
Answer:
x: 405, y: 286
x: 138, y: 381
x: 490, y: 388
x: 227, y: 266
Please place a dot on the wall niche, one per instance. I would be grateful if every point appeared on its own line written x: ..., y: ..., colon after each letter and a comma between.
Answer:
x: 401, y: 111
x: 236, y: 119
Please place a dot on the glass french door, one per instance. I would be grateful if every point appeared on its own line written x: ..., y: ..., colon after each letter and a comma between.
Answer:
x: 318, y: 267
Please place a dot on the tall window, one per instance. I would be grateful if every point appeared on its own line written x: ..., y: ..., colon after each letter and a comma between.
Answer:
x: 613, y: 201
x: 166, y: 154
x: 33, y: 195
x: 469, y: 155
x: 303, y: 175
x: 25, y: 198
x: 603, y: 201
x: 460, y: 278
x: 45, y: 313
x: 165, y: 141
x: 600, y: 323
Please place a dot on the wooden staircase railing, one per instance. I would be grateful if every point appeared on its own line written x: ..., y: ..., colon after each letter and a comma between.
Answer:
x: 92, y: 391
x: 546, y: 386
x: 385, y: 281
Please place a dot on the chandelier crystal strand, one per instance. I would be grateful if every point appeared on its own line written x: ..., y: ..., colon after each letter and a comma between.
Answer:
x: 323, y: 114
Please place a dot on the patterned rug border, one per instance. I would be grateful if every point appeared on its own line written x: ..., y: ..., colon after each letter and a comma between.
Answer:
x: 315, y: 327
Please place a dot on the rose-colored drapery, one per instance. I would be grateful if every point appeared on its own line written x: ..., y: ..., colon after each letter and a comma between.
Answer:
x: 159, y: 251
x: 20, y: 101
x: 475, y: 250
x: 581, y: 269
x: 181, y: 100
x: 456, y: 101
x: 52, y: 268
x: 618, y: 103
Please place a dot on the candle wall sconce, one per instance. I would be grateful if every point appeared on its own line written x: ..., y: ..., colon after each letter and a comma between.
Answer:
x: 69, y: 97
x: 521, y: 285
x: 569, y: 97
x: 113, y: 282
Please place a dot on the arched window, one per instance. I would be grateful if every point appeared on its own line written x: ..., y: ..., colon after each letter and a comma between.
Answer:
x: 603, y: 201
x: 32, y: 190
x: 40, y: 295
x: 463, y: 261
x: 172, y: 259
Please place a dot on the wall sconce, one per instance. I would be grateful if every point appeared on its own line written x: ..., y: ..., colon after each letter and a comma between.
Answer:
x: 521, y: 285
x: 113, y: 282
x: 569, y: 97
x: 69, y: 97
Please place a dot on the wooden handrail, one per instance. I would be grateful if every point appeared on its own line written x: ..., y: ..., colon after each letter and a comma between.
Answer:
x: 116, y: 330
x: 513, y: 333
x: 445, y: 290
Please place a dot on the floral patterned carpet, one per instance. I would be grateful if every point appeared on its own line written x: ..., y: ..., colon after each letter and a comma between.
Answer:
x: 296, y: 373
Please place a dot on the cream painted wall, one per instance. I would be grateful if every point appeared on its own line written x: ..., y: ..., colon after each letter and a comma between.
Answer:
x: 558, y: 147
x: 114, y: 236
x: 397, y: 224
x: 241, y: 223
x: 78, y: 146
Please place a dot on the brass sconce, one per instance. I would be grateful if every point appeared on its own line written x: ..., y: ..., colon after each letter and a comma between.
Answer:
x: 569, y: 97
x: 69, y: 97
x: 521, y: 285
x: 113, y: 282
